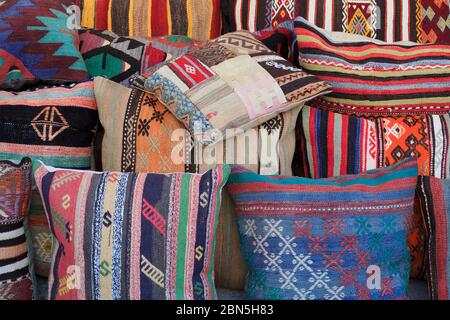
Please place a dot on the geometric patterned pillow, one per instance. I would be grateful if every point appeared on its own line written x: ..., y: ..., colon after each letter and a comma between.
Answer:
x: 38, y: 43
x: 130, y: 236
x: 52, y: 124
x: 326, y: 239
x: 15, y: 187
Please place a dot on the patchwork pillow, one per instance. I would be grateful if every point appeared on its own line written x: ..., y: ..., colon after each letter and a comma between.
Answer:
x: 434, y: 196
x: 199, y: 19
x: 151, y: 236
x: 15, y: 187
x: 372, y: 78
x: 120, y: 58
x: 338, y: 238
x: 53, y: 124
x: 39, y: 42
x: 229, y: 85
x: 424, y: 21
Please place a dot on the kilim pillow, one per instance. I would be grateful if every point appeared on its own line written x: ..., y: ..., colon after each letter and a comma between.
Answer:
x: 53, y: 124
x: 372, y: 78
x: 38, y: 41
x: 229, y: 85
x: 119, y: 58
x: 132, y: 236
x: 332, y: 144
x: 434, y: 202
x: 15, y: 188
x: 421, y: 21
x: 338, y: 238
x: 199, y: 19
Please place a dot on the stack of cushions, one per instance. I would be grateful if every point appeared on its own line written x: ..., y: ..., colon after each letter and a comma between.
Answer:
x: 337, y: 238
x: 37, y: 43
x: 132, y: 236
x: 423, y: 21
x: 15, y: 187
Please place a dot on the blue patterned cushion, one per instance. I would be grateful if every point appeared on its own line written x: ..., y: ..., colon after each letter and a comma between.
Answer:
x: 338, y: 238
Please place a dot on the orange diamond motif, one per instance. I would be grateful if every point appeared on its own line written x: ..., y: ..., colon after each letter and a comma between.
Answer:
x: 49, y: 123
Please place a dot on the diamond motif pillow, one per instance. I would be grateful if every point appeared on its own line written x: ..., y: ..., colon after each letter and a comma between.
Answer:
x: 15, y: 187
x: 53, y: 124
x: 328, y: 239
x: 39, y: 42
x: 132, y: 236
x: 229, y: 85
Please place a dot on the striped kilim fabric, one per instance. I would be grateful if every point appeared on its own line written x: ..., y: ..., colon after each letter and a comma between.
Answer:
x: 198, y: 19
x: 338, y: 238
x: 15, y: 187
x: 132, y: 236
x: 372, y: 78
x: 434, y: 195
x: 53, y: 124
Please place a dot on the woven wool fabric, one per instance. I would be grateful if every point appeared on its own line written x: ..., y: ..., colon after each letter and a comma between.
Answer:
x: 434, y: 195
x: 132, y: 236
x: 120, y: 58
x: 15, y: 188
x: 53, y: 124
x: 38, y: 43
x: 249, y: 85
x: 372, y: 78
x: 331, y: 144
x: 423, y: 21
x: 199, y: 19
x: 338, y: 238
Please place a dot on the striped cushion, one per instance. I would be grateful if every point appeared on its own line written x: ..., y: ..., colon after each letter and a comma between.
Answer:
x: 132, y: 236
x: 338, y: 238
x: 372, y: 78
x: 53, y: 124
x: 15, y: 187
x: 434, y: 195
x: 421, y: 21
x: 199, y: 19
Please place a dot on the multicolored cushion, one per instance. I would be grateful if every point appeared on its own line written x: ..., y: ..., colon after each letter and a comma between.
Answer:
x: 434, y: 195
x: 373, y: 78
x: 338, y: 238
x: 229, y: 85
x: 150, y: 236
x: 53, y: 124
x: 424, y: 21
x: 199, y: 19
x: 38, y: 42
x: 331, y: 144
x: 15, y: 188
x: 120, y: 58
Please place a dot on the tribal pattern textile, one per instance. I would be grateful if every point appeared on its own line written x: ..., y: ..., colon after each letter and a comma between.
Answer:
x: 434, y: 196
x: 120, y: 58
x: 52, y: 124
x: 150, y: 236
x: 15, y: 188
x: 373, y: 79
x: 38, y: 43
x: 330, y: 239
x: 249, y: 85
x: 199, y: 19
x: 423, y: 21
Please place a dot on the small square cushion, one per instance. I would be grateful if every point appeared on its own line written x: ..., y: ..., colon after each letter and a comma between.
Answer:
x: 434, y: 195
x: 231, y: 84
x: 199, y: 19
x: 373, y: 78
x: 38, y: 43
x: 15, y: 189
x: 53, y: 124
x: 330, y: 239
x: 128, y: 236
